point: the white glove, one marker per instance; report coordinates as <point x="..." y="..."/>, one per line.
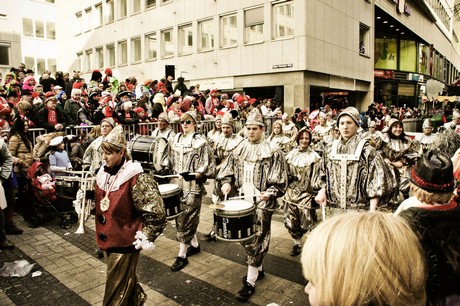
<point x="142" y="242"/>
<point x="77" y="203"/>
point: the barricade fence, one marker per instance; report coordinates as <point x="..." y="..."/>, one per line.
<point x="146" y="128"/>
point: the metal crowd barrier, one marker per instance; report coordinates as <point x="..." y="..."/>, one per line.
<point x="132" y="130"/>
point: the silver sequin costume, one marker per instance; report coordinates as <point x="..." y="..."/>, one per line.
<point x="269" y="174"/>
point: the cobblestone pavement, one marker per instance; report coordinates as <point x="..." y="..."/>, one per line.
<point x="72" y="274"/>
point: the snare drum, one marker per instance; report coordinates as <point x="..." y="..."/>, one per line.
<point x="171" y="194"/>
<point x="235" y="222"/>
<point x="148" y="150"/>
<point x="67" y="186"/>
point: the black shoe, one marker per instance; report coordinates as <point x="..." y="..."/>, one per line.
<point x="6" y="245"/>
<point x="296" y="250"/>
<point x="245" y="293"/>
<point x="179" y="264"/>
<point x="192" y="250"/>
<point x="12" y="229"/>
<point x="211" y="236"/>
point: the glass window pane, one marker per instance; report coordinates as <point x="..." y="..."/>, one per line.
<point x="41" y="65"/>
<point x="151" y="46"/>
<point x="136" y="6"/>
<point x="408" y="56"/>
<point x="52" y="67"/>
<point x="50" y="30"/>
<point x="150" y="3"/>
<point x="168" y="47"/>
<point x="185" y="39"/>
<point x="229" y="30"/>
<point x="283" y="15"/>
<point x="136" y="52"/>
<point x="99" y="58"/>
<point x="39" y="29"/>
<point x="123" y="9"/>
<point x="27" y="27"/>
<point x="4" y="54"/>
<point x="123" y="53"/>
<point x="206" y="35"/>
<point x="386" y="56"/>
<point x="111" y="55"/>
<point x="110" y="11"/>
<point x="98" y="15"/>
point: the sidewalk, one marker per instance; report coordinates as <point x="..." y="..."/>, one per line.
<point x="73" y="275"/>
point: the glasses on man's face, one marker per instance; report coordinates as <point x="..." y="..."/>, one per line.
<point x="186" y="122"/>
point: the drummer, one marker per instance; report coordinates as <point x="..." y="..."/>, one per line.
<point x="190" y="157"/>
<point x="299" y="210"/>
<point x="93" y="154"/>
<point x="163" y="130"/>
<point x="258" y="170"/>
<point x="223" y="146"/>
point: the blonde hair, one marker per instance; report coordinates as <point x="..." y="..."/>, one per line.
<point x="95" y="132"/>
<point x="431" y="197"/>
<point x="111" y="148"/>
<point x="363" y="259"/>
<point x="280" y="123"/>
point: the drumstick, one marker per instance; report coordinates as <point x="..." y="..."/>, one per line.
<point x="166" y="176"/>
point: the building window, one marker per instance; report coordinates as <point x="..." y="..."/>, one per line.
<point x="30" y="62"/>
<point x="167" y="43"/>
<point x="150" y="3"/>
<point x="136" y="50"/>
<point x="98" y="15"/>
<point x="79" y="63"/>
<point x="52" y="64"/>
<point x="41" y="66"/>
<point x="254" y="25"/>
<point x="185" y="39"/>
<point x="364" y="39"/>
<point x="122" y="53"/>
<point x="50" y="30"/>
<point x="136" y="6"/>
<point x="110" y="11"/>
<point x="283" y="19"/>
<point x="122" y="9"/>
<point x="89" y="60"/>
<point x="110" y="55"/>
<point x="151" y="46"/>
<point x="27" y="27"/>
<point x="206" y="35"/>
<point x="165" y="1"/>
<point x="5" y="54"/>
<point x="39" y="29"/>
<point x="88" y="19"/>
<point x="99" y="58"/>
<point x="229" y="30"/>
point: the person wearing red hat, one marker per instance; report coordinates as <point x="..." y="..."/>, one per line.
<point x="51" y="117"/>
<point x="434" y="215"/>
<point x="211" y="103"/>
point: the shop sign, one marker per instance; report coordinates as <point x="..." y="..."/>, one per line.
<point x="402" y="7"/>
<point x="282" y="66"/>
<point x="385" y="74"/>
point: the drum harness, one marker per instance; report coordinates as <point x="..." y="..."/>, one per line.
<point x="344" y="158"/>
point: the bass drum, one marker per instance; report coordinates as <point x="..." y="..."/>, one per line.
<point x="148" y="151"/>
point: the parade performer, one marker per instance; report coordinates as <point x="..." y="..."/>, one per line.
<point x="163" y="130"/>
<point x="223" y="147"/>
<point x="398" y="152"/>
<point x="191" y="157"/>
<point x="129" y="216"/>
<point x="424" y="141"/>
<point x="93" y="154"/>
<point x="353" y="174"/>
<point x="277" y="137"/>
<point x="258" y="170"/>
<point x="299" y="210"/>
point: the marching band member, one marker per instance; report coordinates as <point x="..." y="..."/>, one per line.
<point x="130" y="215"/>
<point x="277" y="137"/>
<point x="353" y="174"/>
<point x="257" y="169"/>
<point x="423" y="141"/>
<point x="223" y="147"/>
<point x="374" y="136"/>
<point x="398" y="152"/>
<point x="299" y="215"/>
<point x="93" y="154"/>
<point x="163" y="130"/>
<point x="216" y="131"/>
<point x="191" y="157"/>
